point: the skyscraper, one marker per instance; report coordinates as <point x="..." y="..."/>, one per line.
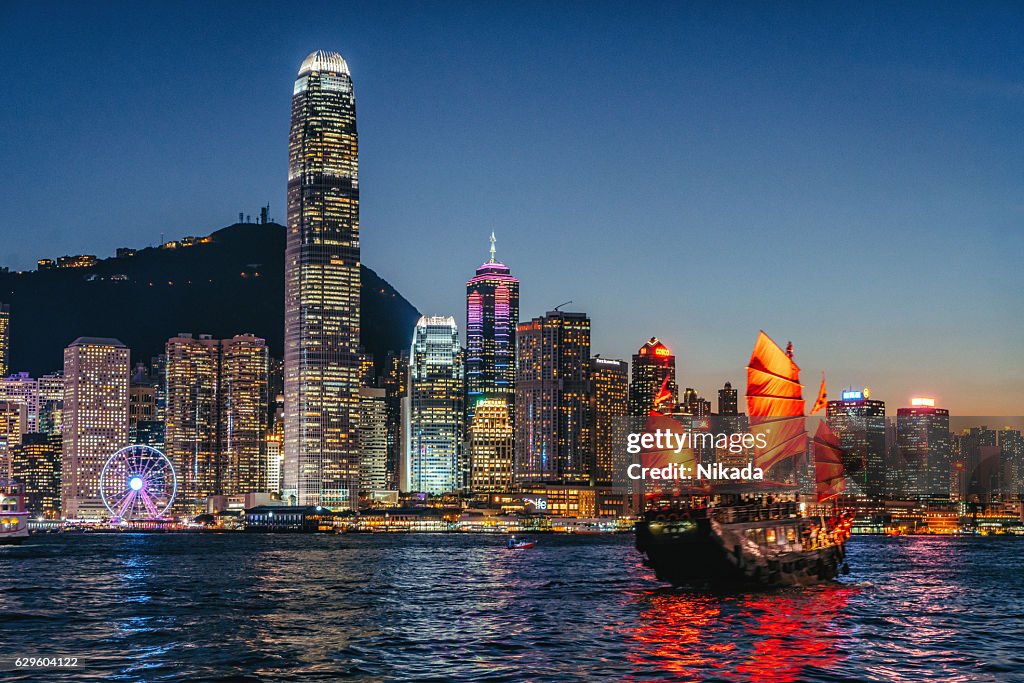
<point x="373" y="439"/>
<point x="922" y="437"/>
<point x="5" y="339"/>
<point x="143" y="426"/>
<point x="243" y="405"/>
<point x="492" y="313"/>
<point x="652" y="364"/>
<point x="607" y="417"/>
<point x="436" y="414"/>
<point x="694" y="404"/>
<point x="859" y="422"/>
<point x="12" y="427"/>
<point x="490" y="447"/>
<point x="984" y="473"/>
<point x="216" y="416"/>
<point x="395" y="378"/>
<point x="36" y="464"/>
<point x="95" y="423"/>
<point x="42" y="398"/>
<point x="551" y="399"/>
<point x="191" y="432"/>
<point x="321" y="358"/>
<point x="728" y="400"/>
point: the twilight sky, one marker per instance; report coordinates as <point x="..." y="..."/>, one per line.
<point x="847" y="177"/>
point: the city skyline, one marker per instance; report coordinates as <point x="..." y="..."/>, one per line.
<point x="897" y="281"/>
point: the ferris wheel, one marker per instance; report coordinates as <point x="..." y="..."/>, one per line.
<point x="138" y="482"/>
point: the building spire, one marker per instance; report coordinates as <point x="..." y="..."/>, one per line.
<point x="493" y="240"/>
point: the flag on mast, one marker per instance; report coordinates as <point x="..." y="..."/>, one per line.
<point x="663" y="399"/>
<point x="822" y="399"/>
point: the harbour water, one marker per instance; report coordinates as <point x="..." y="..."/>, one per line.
<point x="176" y="607"/>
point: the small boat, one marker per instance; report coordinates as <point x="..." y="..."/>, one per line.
<point x="513" y="544"/>
<point x="13" y="516"/>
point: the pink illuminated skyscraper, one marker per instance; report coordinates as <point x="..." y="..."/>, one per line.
<point x="492" y="313"/>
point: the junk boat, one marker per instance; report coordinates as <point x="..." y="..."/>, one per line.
<point x="756" y="533"/>
<point x="13" y="516"/>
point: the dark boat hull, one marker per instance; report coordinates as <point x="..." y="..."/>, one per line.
<point x="695" y="552"/>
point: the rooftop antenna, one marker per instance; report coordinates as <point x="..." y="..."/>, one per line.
<point x="563" y="304"/>
<point x="493" y="240"/>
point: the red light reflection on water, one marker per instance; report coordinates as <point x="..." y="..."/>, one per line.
<point x="760" y="637"/>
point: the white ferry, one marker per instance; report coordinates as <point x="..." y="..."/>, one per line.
<point x="13" y="516"/>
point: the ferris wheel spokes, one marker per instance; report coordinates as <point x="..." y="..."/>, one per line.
<point x="138" y="482"/>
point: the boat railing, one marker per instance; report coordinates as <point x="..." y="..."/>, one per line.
<point x="738" y="514"/>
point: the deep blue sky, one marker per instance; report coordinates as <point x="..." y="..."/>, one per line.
<point x="847" y="177"/>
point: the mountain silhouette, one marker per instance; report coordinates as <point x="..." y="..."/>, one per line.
<point x="229" y="283"/>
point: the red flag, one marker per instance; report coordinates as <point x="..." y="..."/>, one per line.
<point x="822" y="399"/>
<point x="663" y="396"/>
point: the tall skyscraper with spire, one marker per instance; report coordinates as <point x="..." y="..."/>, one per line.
<point x="321" y="359"/>
<point x="492" y="313"/>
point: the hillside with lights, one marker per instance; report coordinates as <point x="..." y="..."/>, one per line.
<point x="227" y="283"/>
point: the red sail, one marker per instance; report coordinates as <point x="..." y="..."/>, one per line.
<point x="775" y="404"/>
<point x="685" y="459"/>
<point x="828" y="463"/>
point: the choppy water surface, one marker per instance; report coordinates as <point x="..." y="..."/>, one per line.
<point x="461" y="608"/>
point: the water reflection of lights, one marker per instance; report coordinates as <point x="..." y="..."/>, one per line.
<point x="759" y="637"/>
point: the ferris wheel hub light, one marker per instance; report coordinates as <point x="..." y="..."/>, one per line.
<point x="135" y="483"/>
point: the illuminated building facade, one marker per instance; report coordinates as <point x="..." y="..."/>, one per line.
<point x="43" y="398"/>
<point x="551" y="399"/>
<point x="244" y="406"/>
<point x="695" y="405"/>
<point x="436" y="410"/>
<point x="216" y="416"/>
<point x="36" y="464"/>
<point x="191" y="432"/>
<point x="373" y="439"/>
<point x="5" y="339"/>
<point x="321" y="361"/>
<point x="651" y="365"/>
<point x="275" y="460"/>
<point x="396" y="385"/>
<point x="1011" y="447"/>
<point x="143" y="426"/>
<point x="986" y="474"/>
<point x="490" y="446"/>
<point x="607" y="420"/>
<point x="728" y="400"/>
<point x="859" y="423"/>
<point x="95" y="422"/>
<point x="12" y="426"/>
<point x="492" y="313"/>
<point x="923" y="441"/>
